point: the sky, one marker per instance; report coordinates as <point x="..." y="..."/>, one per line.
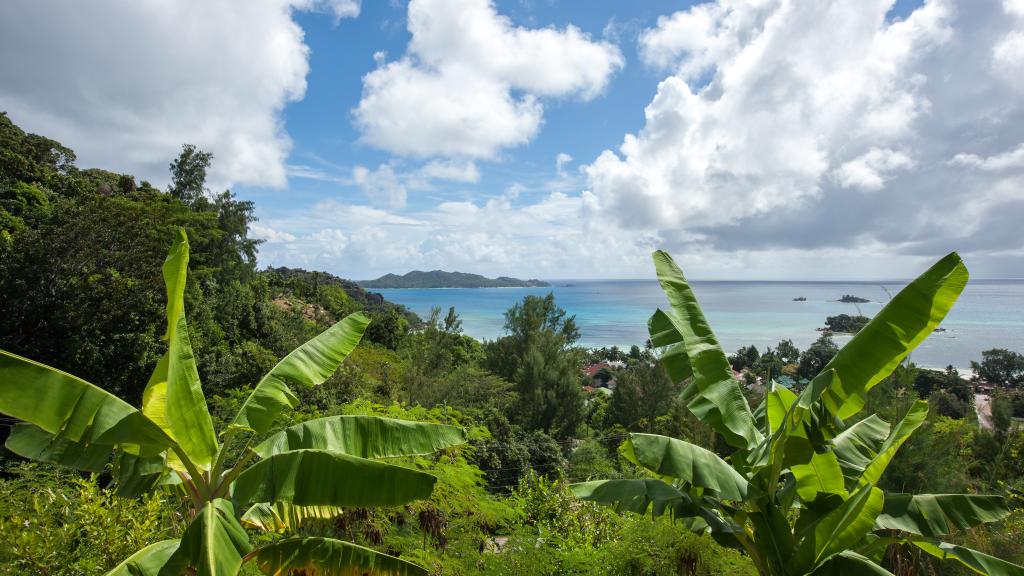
<point x="753" y="139"/>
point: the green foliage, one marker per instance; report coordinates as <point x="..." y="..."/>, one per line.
<point x="590" y="460"/>
<point x="441" y="279"/>
<point x="388" y="329"/>
<point x="74" y="423"/>
<point x="512" y="452"/>
<point x="851" y="299"/>
<point x="817" y="355"/>
<point x="31" y="158"/>
<point x="933" y="459"/>
<point x="947" y="404"/>
<point x="800" y="493"/>
<point x="538" y="358"/>
<point x="75" y="306"/>
<point x="188" y="175"/>
<point x="1000" y="367"/>
<point x="57" y="523"/>
<point x="336" y="296"/>
<point x="643" y="393"/>
<point x="1002" y="414"/>
<point x="787" y="352"/>
<point x="79" y="269"/>
<point x="846" y="323"/>
<point x="443" y="368"/>
<point x="563" y="536"/>
<point x="928" y="382"/>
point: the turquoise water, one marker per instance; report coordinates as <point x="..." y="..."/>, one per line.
<point x="989" y="314"/>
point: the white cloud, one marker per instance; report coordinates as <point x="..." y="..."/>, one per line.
<point x="126" y="84"/>
<point x="495" y="236"/>
<point x="561" y="160"/>
<point x="344" y="9"/>
<point x="382" y="186"/>
<point x="1008" y="53"/>
<point x="751" y="161"/>
<point x="450" y="170"/>
<point x="1008" y="58"/>
<point x="1011" y="159"/>
<point x="869" y="171"/>
<point x="332" y="242"/>
<point x="269" y="234"/>
<point x="470" y="82"/>
<point x="797" y="88"/>
<point x="694" y="41"/>
<point x="774" y="112"/>
<point x="389" y="184"/>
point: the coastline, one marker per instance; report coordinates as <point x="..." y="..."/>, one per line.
<point x="756" y="313"/>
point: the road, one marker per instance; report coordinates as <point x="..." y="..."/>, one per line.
<point x="983" y="406"/>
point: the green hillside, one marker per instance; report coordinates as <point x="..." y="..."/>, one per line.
<point x="442" y="279"/>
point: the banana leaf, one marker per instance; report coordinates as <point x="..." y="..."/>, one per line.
<point x="213" y="544"/>
<point x="632" y="495"/>
<point x="174" y="398"/>
<point x="137" y="475"/>
<point x="695" y="465"/>
<point x="838" y="530"/>
<point x="774" y="535"/>
<point x="286" y="517"/>
<point x="364" y="436"/>
<point x="777" y="402"/>
<point x="308" y="365"/>
<point x="858" y="445"/>
<point x="935" y="515"/>
<point x="71" y="410"/>
<point x="321" y="478"/>
<point x="32" y="442"/>
<point x="714" y="396"/>
<point x="911" y="421"/>
<point x="885" y="341"/>
<point x="673" y="356"/>
<point x="146" y="562"/>
<point x="327" y="557"/>
<point x="821" y="474"/>
<point x="848" y="562"/>
<point x="977" y="561"/>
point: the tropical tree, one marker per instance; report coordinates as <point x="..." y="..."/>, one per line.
<point x="538" y="357"/>
<point x="1001" y="367"/>
<point x="308" y="470"/>
<point x="799" y="493"/>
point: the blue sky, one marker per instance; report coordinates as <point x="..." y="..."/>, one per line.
<point x="342" y="53"/>
<point x="774" y="139"/>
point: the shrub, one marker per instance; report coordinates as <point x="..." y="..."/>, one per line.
<point x="55" y="522"/>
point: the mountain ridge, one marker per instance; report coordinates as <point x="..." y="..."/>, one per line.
<point x="442" y="279"/>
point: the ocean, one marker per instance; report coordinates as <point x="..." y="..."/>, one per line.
<point x="989" y="313"/>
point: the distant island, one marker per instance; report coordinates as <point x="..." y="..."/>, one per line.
<point x="442" y="279"/>
<point x="851" y="299"/>
<point x="800" y="299"/>
<point x="845" y="324"/>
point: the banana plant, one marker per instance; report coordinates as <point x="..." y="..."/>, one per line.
<point x="799" y="491"/>
<point x="311" y="469"/>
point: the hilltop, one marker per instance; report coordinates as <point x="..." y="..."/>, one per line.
<point x="442" y="279"/>
<point x="80" y="257"/>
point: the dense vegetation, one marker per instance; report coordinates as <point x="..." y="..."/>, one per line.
<point x="80" y="270"/>
<point x="851" y="299"/>
<point x="441" y="279"/>
<point x="799" y="493"/>
<point x="846" y="323"/>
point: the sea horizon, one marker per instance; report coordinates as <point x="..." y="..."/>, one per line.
<point x="741" y="312"/>
<point x="554" y="281"/>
